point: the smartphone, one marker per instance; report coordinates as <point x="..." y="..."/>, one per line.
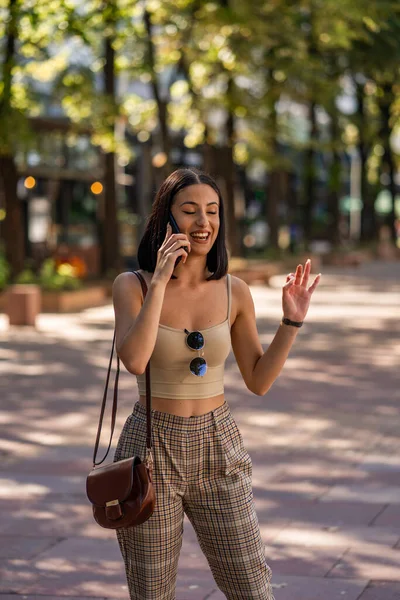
<point x="175" y="229"/>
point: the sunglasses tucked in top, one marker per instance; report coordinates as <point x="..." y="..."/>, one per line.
<point x="195" y="341"/>
<point x="175" y="373"/>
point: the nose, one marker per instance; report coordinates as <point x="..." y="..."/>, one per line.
<point x="202" y="219"/>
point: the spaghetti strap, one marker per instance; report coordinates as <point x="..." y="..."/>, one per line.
<point x="228" y="277"/>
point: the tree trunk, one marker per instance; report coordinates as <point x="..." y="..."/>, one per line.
<point x="368" y="217"/>
<point x="162" y="104"/>
<point x="208" y="153"/>
<point x="110" y="262"/>
<point x="388" y="160"/>
<point x="230" y="179"/>
<point x="334" y="182"/>
<point x="309" y="184"/>
<point x="274" y="183"/>
<point x="310" y="170"/>
<point x="14" y="237"/>
<point x="273" y="197"/>
<point x="219" y="163"/>
<point x="144" y="188"/>
<point x="13" y="229"/>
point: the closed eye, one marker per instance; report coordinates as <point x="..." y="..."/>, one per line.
<point x="192" y="213"/>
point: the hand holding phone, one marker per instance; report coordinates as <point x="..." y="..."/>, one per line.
<point x="175" y="229"/>
<point x="171" y="252"/>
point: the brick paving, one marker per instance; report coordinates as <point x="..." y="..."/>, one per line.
<point x="324" y="442"/>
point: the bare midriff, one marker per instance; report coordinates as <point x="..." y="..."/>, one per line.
<point x="181" y="407"/>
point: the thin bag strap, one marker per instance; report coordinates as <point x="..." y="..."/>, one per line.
<point x="115" y="399"/>
<point x="148" y="389"/>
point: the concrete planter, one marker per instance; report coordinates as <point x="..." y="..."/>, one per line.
<point x="254" y="271"/>
<point x="290" y="263"/>
<point x="260" y="271"/>
<point x="352" y="258"/>
<point x="65" y="301"/>
<point x="73" y="300"/>
<point x="22" y="304"/>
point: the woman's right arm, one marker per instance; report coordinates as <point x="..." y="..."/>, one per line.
<point x="136" y="326"/>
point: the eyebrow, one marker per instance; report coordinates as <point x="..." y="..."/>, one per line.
<point x="195" y="203"/>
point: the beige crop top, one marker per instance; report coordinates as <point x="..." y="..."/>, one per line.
<point x="169" y="364"/>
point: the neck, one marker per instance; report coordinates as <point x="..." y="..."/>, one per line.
<point x="193" y="272"/>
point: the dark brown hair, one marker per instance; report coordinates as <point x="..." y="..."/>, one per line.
<point x="156" y="227"/>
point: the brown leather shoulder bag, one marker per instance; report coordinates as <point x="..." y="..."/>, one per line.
<point x="122" y="493"/>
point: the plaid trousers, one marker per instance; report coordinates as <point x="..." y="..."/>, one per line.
<point x="201" y="468"/>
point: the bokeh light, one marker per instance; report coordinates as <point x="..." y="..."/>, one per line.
<point x="30" y="182"/>
<point x="96" y="188"/>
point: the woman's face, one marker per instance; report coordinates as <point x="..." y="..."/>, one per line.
<point x="196" y="210"/>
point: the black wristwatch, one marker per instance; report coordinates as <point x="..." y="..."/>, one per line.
<point x="286" y="321"/>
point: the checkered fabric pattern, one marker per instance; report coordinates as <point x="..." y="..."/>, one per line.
<point x="201" y="468"/>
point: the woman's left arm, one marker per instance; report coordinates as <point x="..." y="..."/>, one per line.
<point x="259" y="369"/>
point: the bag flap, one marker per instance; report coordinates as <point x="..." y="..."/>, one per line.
<point x="111" y="482"/>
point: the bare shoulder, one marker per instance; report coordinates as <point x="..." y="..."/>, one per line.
<point x="126" y="285"/>
<point x="239" y="286"/>
<point x="241" y="296"/>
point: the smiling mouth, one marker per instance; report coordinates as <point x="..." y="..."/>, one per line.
<point x="202" y="238"/>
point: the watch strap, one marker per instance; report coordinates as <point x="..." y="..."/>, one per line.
<point x="286" y="321"/>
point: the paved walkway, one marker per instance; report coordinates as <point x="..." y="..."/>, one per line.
<point x="324" y="442"/>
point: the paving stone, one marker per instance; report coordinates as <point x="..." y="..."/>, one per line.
<point x="15" y="575"/>
<point x="44" y="466"/>
<point x="288" y="490"/>
<point x="194" y="592"/>
<point x="343" y="537"/>
<point x="315" y="588"/>
<point x="23" y="547"/>
<point x="61" y="577"/>
<point x="197" y="587"/>
<point x="370" y="562"/>
<point x="327" y="513"/>
<point x="381" y="590"/>
<point x="29" y="486"/>
<point x="215" y="595"/>
<point x="301" y="560"/>
<point x="58" y="519"/>
<point x="380" y="462"/>
<point x="389" y="517"/>
<point x="322" y="474"/>
<point x="51" y="597"/>
<point x="373" y="492"/>
<point x="75" y="549"/>
<point x="387" y="478"/>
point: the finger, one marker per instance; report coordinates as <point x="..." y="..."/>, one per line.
<point x="298" y="274"/>
<point x="174" y="243"/>
<point x="314" y="284"/>
<point x="289" y="283"/>
<point x="306" y="273"/>
<point x="180" y="252"/>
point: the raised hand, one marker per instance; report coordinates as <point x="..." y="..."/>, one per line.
<point x="174" y="245"/>
<point x="295" y="294"/>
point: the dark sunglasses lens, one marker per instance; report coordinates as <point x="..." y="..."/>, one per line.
<point x="198" y="366"/>
<point x="195" y="340"/>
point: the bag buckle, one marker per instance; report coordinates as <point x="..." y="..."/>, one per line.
<point x="148" y="461"/>
<point x="112" y="503"/>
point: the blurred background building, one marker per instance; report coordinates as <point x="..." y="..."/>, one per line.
<point x="294" y="110"/>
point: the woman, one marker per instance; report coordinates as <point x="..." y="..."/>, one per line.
<point x="192" y="315"/>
